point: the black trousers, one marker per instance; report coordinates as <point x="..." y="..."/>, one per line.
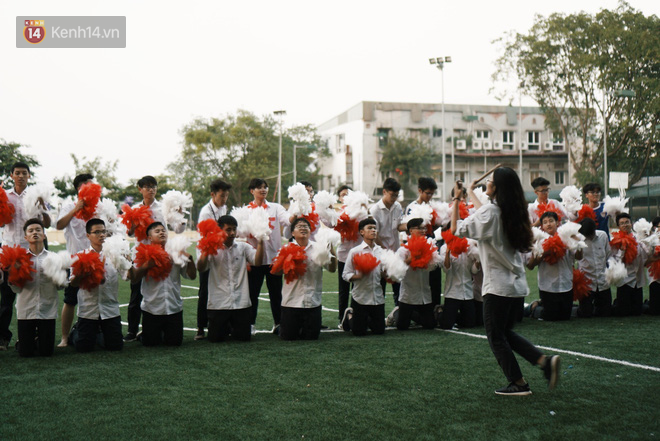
<point x="629" y="301"/>
<point x="70" y="293"/>
<point x="274" y="283"/>
<point x="367" y="316"/>
<point x="88" y="332"/>
<point x="7" y="297"/>
<point x="500" y="314"/>
<point x="41" y="330"/>
<point x="157" y="329"/>
<point x="450" y="313"/>
<point x="344" y="289"/>
<point x="654" y="298"/>
<point x="479" y="313"/>
<point x="421" y="314"/>
<point x="300" y="323"/>
<point x="596" y="304"/>
<point x="203" y="300"/>
<point x="134" y="310"/>
<point x="396" y="288"/>
<point x="435" y="282"/>
<point x="223" y="322"/>
<point x="556" y="305"/>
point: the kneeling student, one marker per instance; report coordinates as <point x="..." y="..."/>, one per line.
<point x="229" y="306"/>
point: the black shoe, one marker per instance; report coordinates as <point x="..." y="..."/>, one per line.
<point x="551" y="370"/>
<point x="345" y="321"/>
<point x="514" y="389"/>
<point x="129" y="337"/>
<point x="276" y="330"/>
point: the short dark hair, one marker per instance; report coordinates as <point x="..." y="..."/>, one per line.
<point x="588" y="227"/>
<point x="413" y="223"/>
<point x="90" y="223"/>
<point x="463" y="190"/>
<point x="591" y="186"/>
<point x="656" y="221"/>
<point x="391" y="184"/>
<point x="306" y="183"/>
<point x="297" y="220"/>
<point x="342" y="188"/>
<point x="426" y="183"/>
<point x="622" y="216"/>
<point x="147" y="181"/>
<point x="227" y="220"/>
<point x="19" y="164"/>
<point x="154" y="225"/>
<point x="32" y="221"/>
<point x="551" y="214"/>
<point x="368" y="221"/>
<point x="81" y="179"/>
<point x="256" y="183"/>
<point x="539" y="182"/>
<point x="219" y="185"/>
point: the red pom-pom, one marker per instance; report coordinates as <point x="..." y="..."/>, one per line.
<point x="654" y="270"/>
<point x="421" y="251"/>
<point x="160" y="257"/>
<point x="550" y="206"/>
<point x="555" y="249"/>
<point x="7" y="209"/>
<point x="290" y="260"/>
<point x="365" y="262"/>
<point x="90" y="193"/>
<point x="626" y="242"/>
<point x="347" y="227"/>
<point x="17" y="261"/>
<point x="90" y="267"/>
<point x="313" y="218"/>
<point x="212" y="237"/>
<point x="463" y="211"/>
<point x="455" y="245"/>
<point x="586" y="212"/>
<point x="581" y="285"/>
<point x="139" y="218"/>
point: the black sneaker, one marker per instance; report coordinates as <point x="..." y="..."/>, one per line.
<point x="514" y="389"/>
<point x="551" y="370"/>
<point x="129" y="337"/>
<point x="345" y="321"/>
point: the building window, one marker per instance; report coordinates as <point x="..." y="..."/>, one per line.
<point x="560" y="177"/>
<point x="534" y="174"/>
<point x="459" y="175"/>
<point x="533" y="140"/>
<point x="557" y="142"/>
<point x="437" y="132"/>
<point x="507" y="140"/>
<point x="382" y="137"/>
<point x="340" y="143"/>
<point x="482" y="134"/>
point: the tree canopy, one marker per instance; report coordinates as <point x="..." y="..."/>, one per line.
<point x="406" y="158"/>
<point x="10" y="153"/>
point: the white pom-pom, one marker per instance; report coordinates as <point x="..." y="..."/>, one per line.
<point x="569" y="233"/>
<point x="320" y="254"/>
<point x="300" y="205"/>
<point x="175" y="247"/>
<point x="571" y="197"/>
<point x="356" y="205"/>
<point x="419" y="211"/>
<point x="473" y="250"/>
<point x="242" y="214"/>
<point x="443" y="212"/>
<point x="174" y="208"/>
<point x="55" y="266"/>
<point x="642" y="229"/>
<point x="393" y="265"/>
<point x="614" y="206"/>
<point x="616" y="272"/>
<point x="258" y="224"/>
<point x="325" y="202"/>
<point x="482" y="196"/>
<point x="32" y="207"/>
<point x="328" y="237"/>
<point x="106" y="210"/>
<point x="539" y="237"/>
<point x="117" y="251"/>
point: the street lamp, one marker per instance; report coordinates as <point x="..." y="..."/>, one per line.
<point x="280" y="114"/>
<point x="439" y="62"/>
<point x="619" y="93"/>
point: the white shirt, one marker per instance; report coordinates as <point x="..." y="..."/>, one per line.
<point x="305" y="291"/>
<point x="75" y="233"/>
<point x="388" y="220"/>
<point x="228" y="278"/>
<point x="503" y="266"/>
<point x="278" y="218"/>
<point x="415" y="288"/>
<point x="163" y="297"/>
<point x="38" y="299"/>
<point x="101" y="302"/>
<point x="533" y="217"/>
<point x="158" y="216"/>
<point x="637" y="273"/>
<point x="458" y="284"/>
<point x="594" y="260"/>
<point x="557" y="277"/>
<point x="211" y="211"/>
<point x="12" y="233"/>
<point x="367" y="290"/>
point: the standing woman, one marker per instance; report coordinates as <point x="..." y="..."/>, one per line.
<point x="504" y="232"/>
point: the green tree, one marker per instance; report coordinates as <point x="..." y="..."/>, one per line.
<point x="405" y="159"/>
<point x="10" y="153"/>
<point x="104" y="173"/>
<point x="565" y="62"/>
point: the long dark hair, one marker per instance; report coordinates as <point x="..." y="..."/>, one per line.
<point x="511" y="200"/>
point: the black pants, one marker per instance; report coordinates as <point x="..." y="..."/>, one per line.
<point x="274" y="283"/>
<point x="70" y="293"/>
<point x="654" y="298"/>
<point x="203" y="300"/>
<point x="41" y="330"/>
<point x="300" y="323"/>
<point x="7" y="297"/>
<point x="596" y="304"/>
<point x="479" y="313"/>
<point x="421" y="314"/>
<point x="435" y="282"/>
<point x="556" y="305"/>
<point x="157" y="329"/>
<point x="134" y="310"/>
<point x="396" y="288"/>
<point x="450" y="313"/>
<point x="500" y="314"/>
<point x="223" y="322"/>
<point x="629" y="301"/>
<point x="344" y="289"/>
<point x="367" y="316"/>
<point x="88" y="332"/>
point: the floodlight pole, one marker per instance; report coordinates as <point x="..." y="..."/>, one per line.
<point x="280" y="114"/>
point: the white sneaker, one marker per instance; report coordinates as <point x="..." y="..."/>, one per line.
<point x="253" y="330"/>
<point x="392" y="318"/>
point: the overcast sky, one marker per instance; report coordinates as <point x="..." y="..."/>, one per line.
<point x="191" y="59"/>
